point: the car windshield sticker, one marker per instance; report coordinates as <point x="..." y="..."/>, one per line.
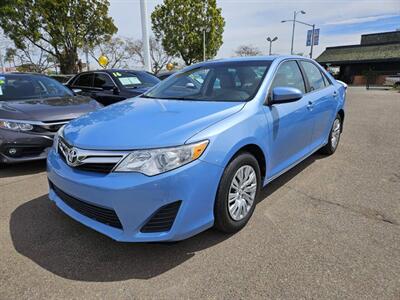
<point x="129" y="80"/>
<point x="2" y="82"/>
<point x="117" y="74"/>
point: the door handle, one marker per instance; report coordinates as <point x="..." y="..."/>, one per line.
<point x="310" y="105"/>
<point x="335" y="94"/>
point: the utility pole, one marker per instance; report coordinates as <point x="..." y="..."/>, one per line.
<point x="145" y="36"/>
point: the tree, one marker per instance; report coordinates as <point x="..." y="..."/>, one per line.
<point x="180" y="24"/>
<point x="57" y="27"/>
<point x="116" y="49"/>
<point x="29" y="59"/>
<point x="247" y="50"/>
<point x="159" y="58"/>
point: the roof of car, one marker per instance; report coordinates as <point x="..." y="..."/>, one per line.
<point x="22" y="74"/>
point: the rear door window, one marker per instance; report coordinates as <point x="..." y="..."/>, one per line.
<point x="102" y="80"/>
<point x="84" y="80"/>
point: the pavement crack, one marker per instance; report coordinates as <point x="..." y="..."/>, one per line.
<point x="364" y="211"/>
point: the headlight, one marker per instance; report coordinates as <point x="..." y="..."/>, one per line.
<point x="156" y="161"/>
<point x="11" y="125"/>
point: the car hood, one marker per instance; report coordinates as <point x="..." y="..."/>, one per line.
<point x="49" y="109"/>
<point x="140" y="123"/>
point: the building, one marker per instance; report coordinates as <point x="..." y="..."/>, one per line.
<point x="377" y="56"/>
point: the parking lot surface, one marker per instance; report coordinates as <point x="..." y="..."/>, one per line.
<point x="329" y="228"/>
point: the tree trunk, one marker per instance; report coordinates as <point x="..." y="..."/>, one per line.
<point x="68" y="62"/>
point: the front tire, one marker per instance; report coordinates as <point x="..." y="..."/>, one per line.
<point x="334" y="137"/>
<point x="237" y="193"/>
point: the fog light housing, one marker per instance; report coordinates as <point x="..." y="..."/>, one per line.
<point x="12" y="151"/>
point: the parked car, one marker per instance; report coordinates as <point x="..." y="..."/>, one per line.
<point x="111" y="86"/>
<point x="32" y="109"/>
<point x="392" y="80"/>
<point x="171" y="163"/>
<point x="165" y="75"/>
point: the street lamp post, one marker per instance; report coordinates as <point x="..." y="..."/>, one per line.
<point x="294" y="26"/>
<point x="270" y="43"/>
<point x="145" y="36"/>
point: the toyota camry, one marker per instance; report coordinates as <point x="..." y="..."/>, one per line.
<point x="194" y="151"/>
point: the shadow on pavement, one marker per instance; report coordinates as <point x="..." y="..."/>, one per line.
<point x="68" y="249"/>
<point x="287" y="176"/>
<point x="21" y="169"/>
<point x="41" y="232"/>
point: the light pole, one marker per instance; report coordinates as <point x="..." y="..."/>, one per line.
<point x="270" y="43"/>
<point x="145" y="36"/>
<point x="3" y="69"/>
<point x="295" y="13"/>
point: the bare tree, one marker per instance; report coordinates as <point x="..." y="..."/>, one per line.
<point x="159" y="58"/>
<point x="247" y="50"/>
<point x="30" y="58"/>
<point x="116" y="49"/>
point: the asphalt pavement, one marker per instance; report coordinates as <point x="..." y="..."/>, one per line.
<point x="327" y="229"/>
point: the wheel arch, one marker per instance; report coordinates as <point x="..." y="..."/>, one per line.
<point x="341" y="114"/>
<point x="254" y="150"/>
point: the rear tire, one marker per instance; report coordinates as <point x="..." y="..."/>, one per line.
<point x="237" y="193"/>
<point x="334" y="137"/>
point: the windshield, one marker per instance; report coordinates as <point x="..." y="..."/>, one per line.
<point x="215" y="81"/>
<point x="25" y="87"/>
<point x="135" y="79"/>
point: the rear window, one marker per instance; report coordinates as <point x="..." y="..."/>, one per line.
<point x="25" y="87"/>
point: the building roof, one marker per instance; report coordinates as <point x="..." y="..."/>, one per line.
<point x="375" y="47"/>
<point x="381" y="38"/>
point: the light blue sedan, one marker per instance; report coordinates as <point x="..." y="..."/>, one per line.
<point x="194" y="151"/>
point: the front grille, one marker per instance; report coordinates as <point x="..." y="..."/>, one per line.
<point x="163" y="219"/>
<point x="98" y="167"/>
<point x="100" y="214"/>
<point x="50" y="126"/>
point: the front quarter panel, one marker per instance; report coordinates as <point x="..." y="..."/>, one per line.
<point x="230" y="135"/>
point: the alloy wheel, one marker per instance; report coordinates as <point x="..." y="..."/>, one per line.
<point x="335" y="135"/>
<point x="242" y="192"/>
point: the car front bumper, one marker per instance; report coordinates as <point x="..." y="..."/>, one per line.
<point x="16" y="146"/>
<point x="135" y="198"/>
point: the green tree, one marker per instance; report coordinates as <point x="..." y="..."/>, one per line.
<point x="57" y="27"/>
<point x="180" y="24"/>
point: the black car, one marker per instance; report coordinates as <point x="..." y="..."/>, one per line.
<point x="111" y="86"/>
<point x="32" y="109"/>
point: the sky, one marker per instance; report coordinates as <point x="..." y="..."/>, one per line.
<point x="250" y="22"/>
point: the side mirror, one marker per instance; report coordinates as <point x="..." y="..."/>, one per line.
<point x="190" y="85"/>
<point x="107" y="87"/>
<point x="285" y="94"/>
